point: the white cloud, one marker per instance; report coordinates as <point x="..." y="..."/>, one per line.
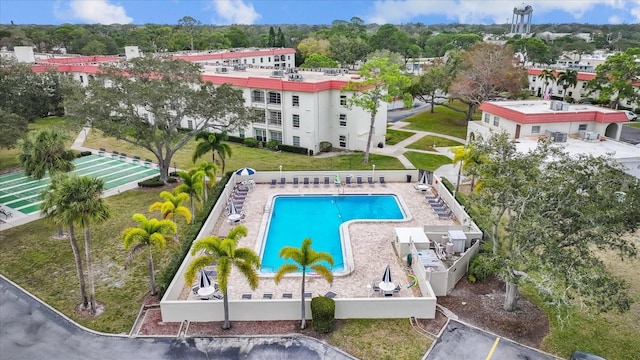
<point x="615" y="19"/>
<point x="91" y="11"/>
<point x="234" y="12"/>
<point x="485" y="11"/>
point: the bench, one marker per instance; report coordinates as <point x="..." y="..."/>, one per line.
<point x="147" y="162"/>
<point x="123" y="156"/>
<point x="136" y="159"/>
<point x="101" y="152"/>
<point x="115" y="154"/>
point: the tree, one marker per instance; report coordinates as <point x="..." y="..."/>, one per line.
<point x="391" y="38"/>
<point x="190" y="24"/>
<point x="44" y="151"/>
<point x="486" y="71"/>
<point x="433" y="83"/>
<point x="13" y="128"/>
<point x="280" y="40"/>
<point x="172" y="206"/>
<point x="150" y="233"/>
<point x="149" y="99"/>
<point x="566" y="79"/>
<point x="55" y="207"/>
<point x="547" y="76"/>
<point x="227" y="255"/>
<point x="318" y="61"/>
<point x="192" y="185"/>
<point x="381" y="82"/>
<point x="312" y="45"/>
<point x="552" y="215"/>
<point x="348" y="49"/>
<point x="271" y="42"/>
<point x="237" y="37"/>
<point x="304" y="258"/>
<point x="209" y="170"/>
<point x="615" y="77"/>
<point x="210" y="142"/>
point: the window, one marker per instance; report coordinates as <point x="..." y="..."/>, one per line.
<point x="259" y="116"/>
<point x="245" y="61"/>
<point x="269" y="59"/>
<point x="274" y="98"/>
<point x="275" y="135"/>
<point x="260" y="134"/>
<point x="296" y="141"/>
<point x="343" y="119"/>
<point x="295" y="100"/>
<point x="296" y="121"/>
<point x="342" y="141"/>
<point x="81" y="79"/>
<point x="533" y="79"/>
<point x="241" y="133"/>
<point x="559" y="92"/>
<point x="190" y="124"/>
<point x="288" y="57"/>
<point x="486" y="118"/>
<point x="582" y="127"/>
<point x="343" y="100"/>
<point x="257" y="96"/>
<point x="253" y="61"/>
<point x="261" y="60"/>
<point x="535" y="129"/>
<point x="275" y="118"/>
<point x="496" y="121"/>
<point x="570" y="93"/>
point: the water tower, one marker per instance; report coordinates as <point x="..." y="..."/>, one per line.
<point x="521" y="19"/>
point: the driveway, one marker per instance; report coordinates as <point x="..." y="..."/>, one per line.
<point x="32" y="330"/>
<point x="460" y="341"/>
<point x="630" y="134"/>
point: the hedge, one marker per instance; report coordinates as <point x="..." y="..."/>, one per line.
<point x="293" y="149"/>
<point x="323" y="313"/>
<point x="169" y="272"/>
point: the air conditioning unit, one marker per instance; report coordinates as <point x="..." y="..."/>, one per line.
<point x="277" y="73"/>
<point x="590" y="136"/>
<point x="222" y="70"/>
<point x="331" y="72"/>
<point x="239" y="68"/>
<point x="295" y="77"/>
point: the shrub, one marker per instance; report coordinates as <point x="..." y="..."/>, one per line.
<point x="151" y="183"/>
<point x="251" y="142"/>
<point x="293" y="149"/>
<point x="482" y="267"/>
<point x="323" y="313"/>
<point x="85" y="153"/>
<point x="272" y="145"/>
<point x="235" y="139"/>
<point x="325" y="146"/>
<point x="169" y="272"/>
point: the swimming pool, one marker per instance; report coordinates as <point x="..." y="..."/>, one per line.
<point x="294" y="218"/>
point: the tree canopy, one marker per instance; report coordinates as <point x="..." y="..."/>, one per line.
<point x="614" y="78"/>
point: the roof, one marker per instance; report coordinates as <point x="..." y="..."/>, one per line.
<point x="582" y="76"/>
<point x="540" y="112"/>
<point x="234" y="54"/>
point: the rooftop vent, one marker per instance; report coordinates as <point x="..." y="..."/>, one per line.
<point x="330" y="72"/>
<point x="295" y="77"/>
<point x="239" y="68"/>
<point x="559" y="105"/>
<point x="556" y="136"/>
<point x="222" y="70"/>
<point x="277" y="73"/>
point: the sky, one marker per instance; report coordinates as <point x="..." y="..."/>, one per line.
<point x="273" y="12"/>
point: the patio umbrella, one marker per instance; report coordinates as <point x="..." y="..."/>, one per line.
<point x="204" y="279"/>
<point x="232" y="208"/>
<point x="245" y="171"/>
<point x="386" y="277"/>
<point x="423" y="178"/>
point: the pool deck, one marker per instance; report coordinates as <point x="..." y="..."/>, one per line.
<point x="371" y="243"/>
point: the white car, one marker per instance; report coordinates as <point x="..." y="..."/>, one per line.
<point x="630" y="115"/>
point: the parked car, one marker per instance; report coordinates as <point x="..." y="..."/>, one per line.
<point x="630" y="115"/>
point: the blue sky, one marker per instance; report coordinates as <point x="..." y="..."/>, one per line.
<point x="223" y="12"/>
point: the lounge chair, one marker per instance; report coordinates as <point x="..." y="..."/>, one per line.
<point x="447" y="215"/>
<point x="273" y="182"/>
<point x="375" y="286"/>
<point x="435" y="200"/>
<point x="136" y="159"/>
<point x="246" y="296"/>
<point x="347" y="180"/>
<point x="397" y="289"/>
<point x="305" y="181"/>
<point x="115" y="154"/>
<point x="331" y="294"/>
<point x="382" y="182"/>
<point x="102" y="151"/>
<point x="438" y="206"/>
<point x="432" y="197"/>
<point x="267" y="295"/>
<point x="308" y="294"/>
<point x="316" y="181"/>
<point x="326" y="181"/>
<point x="370" y="180"/>
<point x="194" y="289"/>
<point x="359" y="180"/>
<point x="123" y="157"/>
<point x="282" y="181"/>
<point x="287" y="295"/>
<point x="147" y="162"/>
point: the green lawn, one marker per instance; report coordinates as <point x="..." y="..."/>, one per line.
<point x="380" y="339"/>
<point x="395" y="136"/>
<point x="442" y="121"/>
<point x="431" y="142"/>
<point x="8" y="157"/>
<point x="45" y="267"/>
<point x="259" y="159"/>
<point x="634" y="124"/>
<point x="426" y="161"/>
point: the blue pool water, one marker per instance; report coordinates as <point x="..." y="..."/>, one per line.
<point x="294" y="218"/>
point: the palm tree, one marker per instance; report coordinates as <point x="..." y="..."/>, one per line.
<point x="214" y="143"/>
<point x="45" y="151"/>
<point x="192" y="185"/>
<point x="55" y="207"/>
<point x="149" y="233"/>
<point x="83" y="203"/>
<point x="569" y="78"/>
<point x="548" y="76"/>
<point x="227" y="255"/>
<point x="172" y="206"/>
<point x="209" y="169"/>
<point x="304" y="258"/>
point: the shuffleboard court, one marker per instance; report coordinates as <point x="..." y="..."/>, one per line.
<point x="23" y="194"/>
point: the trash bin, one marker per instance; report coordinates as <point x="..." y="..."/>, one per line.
<point x="408" y="178"/>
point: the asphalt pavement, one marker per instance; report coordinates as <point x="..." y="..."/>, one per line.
<point x="630" y="134"/>
<point x="29" y="329"/>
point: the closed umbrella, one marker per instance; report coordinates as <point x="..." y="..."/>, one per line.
<point x="423" y="178"/>
<point x="386" y="277"/>
<point x="205" y="282"/>
<point x="232" y="208"/>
